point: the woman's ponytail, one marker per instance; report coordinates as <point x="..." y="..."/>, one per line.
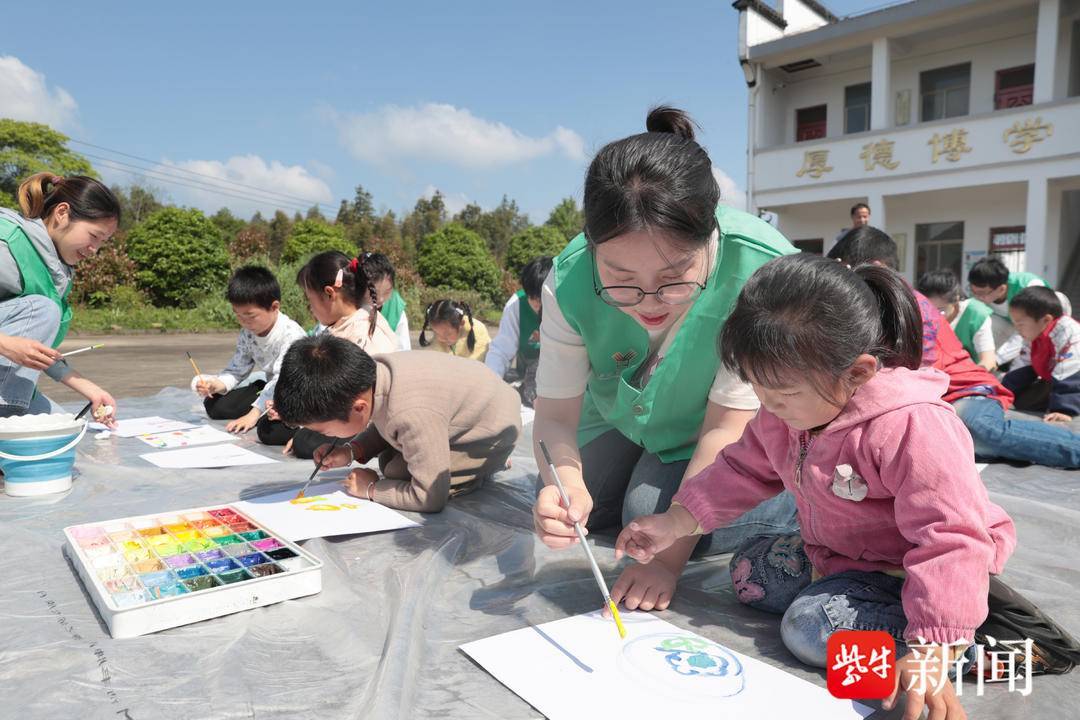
<point x="86" y="198"/>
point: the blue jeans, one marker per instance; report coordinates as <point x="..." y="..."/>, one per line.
<point x="1032" y="441"/>
<point x="626" y="482"/>
<point x="773" y="574"/>
<point x="38" y="318"/>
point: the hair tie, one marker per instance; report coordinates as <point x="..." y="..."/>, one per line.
<point x="56" y="179"/>
<point x="339" y="277"/>
<point x="354" y="265"/>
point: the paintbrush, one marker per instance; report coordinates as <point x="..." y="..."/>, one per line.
<point x="82" y="350"/>
<point x="84" y="410"/>
<point x="584" y="543"/>
<point x="193" y="365"/>
<point x="333" y="446"/>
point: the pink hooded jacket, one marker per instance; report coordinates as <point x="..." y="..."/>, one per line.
<point x="890" y="484"/>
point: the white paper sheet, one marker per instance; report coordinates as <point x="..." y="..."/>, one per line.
<point x="981" y="466"/>
<point x="578" y="667"/>
<point x="326" y="511"/>
<point x="213" y="456"/>
<point x="130" y="427"/>
<point x="202" y="435"/>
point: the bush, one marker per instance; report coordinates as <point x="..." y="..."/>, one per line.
<point x="457" y="258"/>
<point x="309" y="237"/>
<point x="293" y="301"/>
<point x="97" y="278"/>
<point x="532" y="243"/>
<point x="180" y="257"/>
<point x="249" y="243"/>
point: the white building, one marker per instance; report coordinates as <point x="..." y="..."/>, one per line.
<point x="956" y="121"/>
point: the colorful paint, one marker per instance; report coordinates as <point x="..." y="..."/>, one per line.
<point x="145" y="560"/>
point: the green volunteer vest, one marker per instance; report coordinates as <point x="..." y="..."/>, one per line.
<point x="392" y="309"/>
<point x="34" y="273"/>
<point x="528" y="324"/>
<point x="969" y="322"/>
<point x="665" y="417"/>
<point x="1019" y="280"/>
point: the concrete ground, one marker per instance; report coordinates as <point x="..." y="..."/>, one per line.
<point x="139" y="365"/>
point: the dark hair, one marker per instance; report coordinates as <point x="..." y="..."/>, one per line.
<point x="988" y="272"/>
<point x="857" y="207"/>
<point x="87" y="198"/>
<point x="940" y="283"/>
<point x="320" y="378"/>
<point x="323" y="270"/>
<point x="378" y="266"/>
<point x="1037" y="302"/>
<point x="660" y="180"/>
<point x="253" y="285"/>
<point x="533" y="275"/>
<point x="808" y="316"/>
<point x="448" y="311"/>
<point x="864" y="245"/>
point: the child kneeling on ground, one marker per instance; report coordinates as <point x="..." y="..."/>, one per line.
<point x="440" y="425"/>
<point x="897" y="531"/>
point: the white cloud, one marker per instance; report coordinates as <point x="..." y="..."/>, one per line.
<point x="444" y="133"/>
<point x="454" y="202"/>
<point x="24" y="95"/>
<point x="730" y="193"/>
<point x="252" y="184"/>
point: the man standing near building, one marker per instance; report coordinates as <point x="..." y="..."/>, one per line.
<point x="860" y="215"/>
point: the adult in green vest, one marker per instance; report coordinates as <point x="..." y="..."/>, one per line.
<point x="382" y="276"/>
<point x="969" y="318"/>
<point x="631" y="395"/>
<point x="518" y="339"/>
<point x="63" y="221"/>
<point x="993" y="283"/>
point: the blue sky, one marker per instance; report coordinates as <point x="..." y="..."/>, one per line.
<point x="476" y="99"/>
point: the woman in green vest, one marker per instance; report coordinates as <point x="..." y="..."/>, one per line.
<point x="63" y="221"/>
<point x="518" y="339"/>
<point x="631" y="395"/>
<point x="969" y="318"/>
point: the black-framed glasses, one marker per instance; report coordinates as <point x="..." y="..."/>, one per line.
<point x="679" y="293"/>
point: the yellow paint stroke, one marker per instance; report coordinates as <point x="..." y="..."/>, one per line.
<point x="304" y="500"/>
<point x="322" y="507"/>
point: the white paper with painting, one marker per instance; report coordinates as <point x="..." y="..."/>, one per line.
<point x="578" y="667"/>
<point x="325" y="511"/>
<point x="209" y="456"/>
<point x="202" y="435"/>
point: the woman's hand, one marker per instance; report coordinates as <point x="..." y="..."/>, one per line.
<point x="102" y="407"/>
<point x="921" y="670"/>
<point x="342" y="456"/>
<point x="27" y="352"/>
<point x="208" y="385"/>
<point x="646" y="536"/>
<point x="555" y="523"/>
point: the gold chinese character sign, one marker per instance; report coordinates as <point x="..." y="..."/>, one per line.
<point x="815" y="164"/>
<point x="1026" y="134"/>
<point x="951" y="145"/>
<point x="878" y="153"/>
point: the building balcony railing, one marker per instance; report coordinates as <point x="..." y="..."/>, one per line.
<point x="1014" y="135"/>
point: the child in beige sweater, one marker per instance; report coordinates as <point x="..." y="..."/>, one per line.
<point x="439" y="424"/>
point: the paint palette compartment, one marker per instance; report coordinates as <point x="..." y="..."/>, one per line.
<point x="154" y="572"/>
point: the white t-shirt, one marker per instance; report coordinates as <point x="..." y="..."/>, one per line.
<point x="564" y="367"/>
<point x="984" y="336"/>
<point x="503" y="349"/>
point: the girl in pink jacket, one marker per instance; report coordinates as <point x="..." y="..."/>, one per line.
<point x="897" y="531"/>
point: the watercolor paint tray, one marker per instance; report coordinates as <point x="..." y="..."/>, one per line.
<point x="153" y="572"/>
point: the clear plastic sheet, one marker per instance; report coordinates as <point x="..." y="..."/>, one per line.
<point x="381" y="639"/>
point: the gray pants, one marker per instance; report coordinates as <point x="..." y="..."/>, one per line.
<point x="38" y="318"/>
<point x="626" y="482"/>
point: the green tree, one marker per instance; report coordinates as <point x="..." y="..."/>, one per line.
<point x="532" y="243"/>
<point x="496" y="226"/>
<point x="27" y="148"/>
<point x="567" y="218"/>
<point x="456" y="257"/>
<point x="427" y="216"/>
<point x="179" y="255"/>
<point x="314" y="213"/>
<point x="313" y="236"/>
<point x="279" y="231"/>
<point x="251" y="242"/>
<point x="137" y="203"/>
<point x="228" y="223"/>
